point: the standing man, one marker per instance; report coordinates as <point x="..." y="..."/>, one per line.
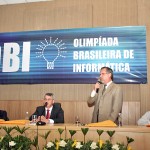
<point x="107" y="97"/>
<point x="50" y="112"/>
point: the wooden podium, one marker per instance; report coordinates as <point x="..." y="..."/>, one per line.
<point x="140" y="134"/>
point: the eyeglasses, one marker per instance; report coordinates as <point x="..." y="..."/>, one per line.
<point x="48" y="99"/>
<point x="104" y="73"/>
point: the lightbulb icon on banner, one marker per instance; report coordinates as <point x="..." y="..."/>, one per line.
<point x="50" y="51"/>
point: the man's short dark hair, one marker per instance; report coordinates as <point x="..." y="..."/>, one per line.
<point x="50" y="94"/>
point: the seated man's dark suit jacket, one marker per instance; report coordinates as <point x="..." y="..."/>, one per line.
<point x="57" y="113"/>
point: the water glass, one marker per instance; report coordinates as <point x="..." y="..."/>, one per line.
<point x="34" y="118"/>
<point x="77" y="120"/>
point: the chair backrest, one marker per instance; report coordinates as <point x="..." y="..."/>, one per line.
<point x="58" y="104"/>
<point x="3" y="115"/>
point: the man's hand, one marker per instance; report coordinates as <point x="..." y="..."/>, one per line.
<point x="97" y="86"/>
<point x="43" y="119"/>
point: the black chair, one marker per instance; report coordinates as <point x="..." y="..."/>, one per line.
<point x="3" y="115"/>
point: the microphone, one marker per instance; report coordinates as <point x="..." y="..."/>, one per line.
<point x="45" y="104"/>
<point x="41" y="123"/>
<point x="100" y="82"/>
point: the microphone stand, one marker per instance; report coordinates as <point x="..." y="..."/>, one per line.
<point x="41" y="123"/>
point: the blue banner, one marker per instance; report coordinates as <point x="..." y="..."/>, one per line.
<point x="73" y="55"/>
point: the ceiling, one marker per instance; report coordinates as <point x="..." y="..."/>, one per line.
<point x="8" y="2"/>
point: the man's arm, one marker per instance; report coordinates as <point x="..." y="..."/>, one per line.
<point x="57" y="113"/>
<point x="39" y="112"/>
<point x="59" y="117"/>
<point x="94" y="94"/>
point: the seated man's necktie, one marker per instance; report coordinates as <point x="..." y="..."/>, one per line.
<point x="48" y="114"/>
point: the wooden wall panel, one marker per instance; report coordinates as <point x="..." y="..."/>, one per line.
<point x="131" y="92"/>
<point x="115" y="12"/>
<point x="58" y="17"/>
<point x="11" y="18"/>
<point x="145" y="89"/>
<point x="145" y="98"/>
<point x="137" y="111"/>
<point x="125" y="116"/>
<point x="80" y="109"/>
<point x="17" y="109"/>
<point x="130" y="113"/>
<point x="36" y="91"/>
<point x="143" y="11"/>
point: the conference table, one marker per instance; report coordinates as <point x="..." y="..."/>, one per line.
<point x="140" y="134"/>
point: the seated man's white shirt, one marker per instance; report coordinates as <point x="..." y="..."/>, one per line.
<point x="50" y="110"/>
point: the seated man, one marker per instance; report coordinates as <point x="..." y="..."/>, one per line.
<point x="145" y="119"/>
<point x="51" y="112"/>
